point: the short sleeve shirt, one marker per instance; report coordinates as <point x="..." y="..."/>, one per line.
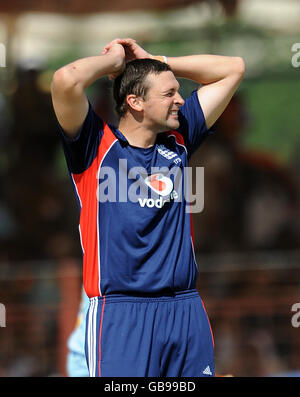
<point x="135" y="226"/>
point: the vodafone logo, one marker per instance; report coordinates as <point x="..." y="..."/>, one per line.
<point x="161" y="184"/>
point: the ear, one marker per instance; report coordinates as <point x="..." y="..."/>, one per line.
<point x="134" y="102"/>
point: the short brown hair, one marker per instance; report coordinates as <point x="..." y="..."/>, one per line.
<point x="132" y="81"/>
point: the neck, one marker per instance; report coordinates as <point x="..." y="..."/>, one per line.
<point x="137" y="134"/>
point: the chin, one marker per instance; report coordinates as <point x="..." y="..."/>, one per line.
<point x="174" y="125"/>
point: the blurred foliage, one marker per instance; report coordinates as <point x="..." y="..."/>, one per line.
<point x="273" y="106"/>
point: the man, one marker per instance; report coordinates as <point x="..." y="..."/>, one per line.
<point x="139" y="271"/>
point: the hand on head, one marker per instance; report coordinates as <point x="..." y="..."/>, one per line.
<point x="131" y="51"/>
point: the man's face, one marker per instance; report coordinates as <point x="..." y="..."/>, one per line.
<point x="162" y="102"/>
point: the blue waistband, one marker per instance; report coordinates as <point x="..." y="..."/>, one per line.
<point x="136" y="297"/>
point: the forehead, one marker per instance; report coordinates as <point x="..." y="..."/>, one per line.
<point x="162" y="82"/>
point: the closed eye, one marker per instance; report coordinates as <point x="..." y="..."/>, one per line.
<point x="172" y="92"/>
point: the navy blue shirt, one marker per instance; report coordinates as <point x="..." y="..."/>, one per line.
<point x="136" y="232"/>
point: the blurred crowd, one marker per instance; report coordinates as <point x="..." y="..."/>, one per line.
<point x="250" y="313"/>
<point x="35" y="201"/>
<point x="251" y="198"/>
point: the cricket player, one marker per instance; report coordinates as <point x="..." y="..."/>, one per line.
<point x="145" y="317"/>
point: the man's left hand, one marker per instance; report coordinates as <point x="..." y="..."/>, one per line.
<point x="132" y="49"/>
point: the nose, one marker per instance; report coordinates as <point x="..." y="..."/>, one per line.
<point x="179" y="100"/>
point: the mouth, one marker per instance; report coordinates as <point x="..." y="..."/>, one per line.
<point x="174" y="113"/>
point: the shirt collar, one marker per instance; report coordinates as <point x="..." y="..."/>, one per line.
<point x="118" y="134"/>
<point x="122" y="138"/>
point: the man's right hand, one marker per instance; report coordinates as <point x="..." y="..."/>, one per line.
<point x="117" y="51"/>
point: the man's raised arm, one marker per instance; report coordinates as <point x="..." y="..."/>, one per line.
<point x="69" y="83"/>
<point x="218" y="75"/>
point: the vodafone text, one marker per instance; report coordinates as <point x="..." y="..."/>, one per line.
<point x="158" y="203"/>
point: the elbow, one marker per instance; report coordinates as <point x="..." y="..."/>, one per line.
<point x="239" y="66"/>
<point x="61" y="79"/>
<point x="64" y="80"/>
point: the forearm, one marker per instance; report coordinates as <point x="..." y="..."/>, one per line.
<point x="83" y="72"/>
<point x="205" y="69"/>
<point x="69" y="83"/>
